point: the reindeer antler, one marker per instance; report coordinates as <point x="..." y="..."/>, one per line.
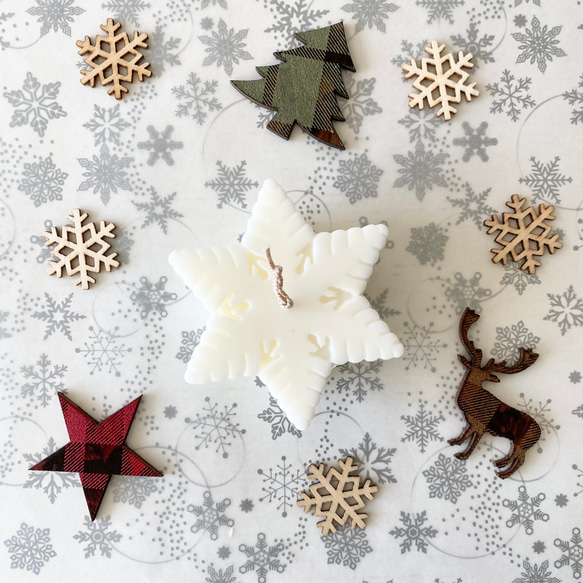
<point x="525" y="359"/>
<point x="468" y="318"/>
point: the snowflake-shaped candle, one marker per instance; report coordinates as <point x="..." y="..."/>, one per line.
<point x="328" y="321"/>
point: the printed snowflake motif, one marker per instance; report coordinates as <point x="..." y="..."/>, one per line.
<point x="291" y="16"/>
<point x="105" y="174"/>
<point x="135" y="491"/>
<point x="190" y="340"/>
<point x="545" y="180"/>
<point x="509" y="340"/>
<point x="196" y="99"/>
<point x="282" y="485"/>
<point x="510" y="96"/>
<point x="566" y="310"/>
<point x="447" y="478"/>
<point x="360" y="378"/>
<point x="575" y="377"/>
<point x="128" y="10"/>
<point x="225" y="47"/>
<point x="379" y="304"/>
<point x="475" y="141"/>
<point x="360" y="103"/>
<point x="34" y="104"/>
<point x="231" y="185"/>
<point x="224" y="552"/>
<point x="246" y="505"/>
<point x="575" y="98"/>
<point x="422" y="427"/>
<point x="55" y="14"/>
<point x="538" y="44"/>
<point x="43" y="380"/>
<point x="561" y="500"/>
<point x="346" y="547"/>
<point x="211" y="515"/>
<point x="572" y="553"/>
<point x="280" y="424"/>
<point x="221" y="3"/>
<point x="152" y="298"/>
<point x="218" y="575"/>
<point x="159" y="210"/>
<point x="3" y="320"/>
<point x="103" y="351"/>
<point x="539" y="414"/>
<point x="51" y="482"/>
<point x="467" y="292"/>
<point x="358" y="178"/>
<point x="58" y="316"/>
<point x="161" y="51"/>
<point x="473" y="206"/>
<point x="42" y="181"/>
<point x="4" y="17"/>
<point x="413" y="531"/>
<point x="536" y="574"/>
<point x="514" y="275"/>
<point x="106" y="125"/>
<point x="30" y="549"/>
<point x="520" y="21"/>
<point x="370" y="13"/>
<point x="373" y="462"/>
<point x="477" y="46"/>
<point x="160" y="145"/>
<point x="421" y="124"/>
<point x="409" y="51"/>
<point x="261" y="558"/>
<point x="428" y="243"/>
<point x="539" y="547"/>
<point x="420" y="170"/>
<point x="215" y="427"/>
<point x="98" y="536"/>
<point x="170" y="412"/>
<point x="525" y="510"/>
<point x="438" y="9"/>
<point x="420" y="349"/>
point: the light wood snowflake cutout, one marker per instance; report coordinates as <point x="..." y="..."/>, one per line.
<point x="81" y="249"/>
<point x="440" y="80"/>
<point x="338" y="496"/>
<point x="114" y="58"/>
<point x="523" y="234"/>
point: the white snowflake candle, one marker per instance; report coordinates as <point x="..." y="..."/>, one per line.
<point x="254" y="331"/>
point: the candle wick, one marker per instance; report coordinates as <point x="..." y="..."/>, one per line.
<point x="284" y="300"/>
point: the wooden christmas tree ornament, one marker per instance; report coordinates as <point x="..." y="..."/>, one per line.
<point x="114" y="59"/>
<point x="337" y="496"/>
<point x="484" y="412"/>
<point x="441" y="80"/>
<point x="303" y="89"/>
<point x="523" y="235"/>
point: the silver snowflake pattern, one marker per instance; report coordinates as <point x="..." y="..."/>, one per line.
<point x="282" y="485"/>
<point x="370" y="13"/>
<point x="428" y="243"/>
<point x="211" y="515"/>
<point x="291" y="16"/>
<point x="358" y="178"/>
<point x="98" y="536"/>
<point x="359" y="378"/>
<point x="414" y="531"/>
<point x="44" y="252"/>
<point x="153" y="298"/>
<point x="196" y="98"/>
<point x="126" y="9"/>
<point x="420" y="170"/>
<point x="231" y="185"/>
<point x="475" y="141"/>
<point x="373" y="462"/>
<point x="510" y="339"/>
<point x="58" y="316"/>
<point x="51" y="482"/>
<point x="160" y="145"/>
<point x="420" y="347"/>
<point x="409" y="51"/>
<point x="106" y="125"/>
<point x="422" y="427"/>
<point x="215" y="427"/>
<point x="105" y="174"/>
<point x="422" y="124"/>
<point x="4" y="17"/>
<point x="221" y="3"/>
<point x="103" y="351"/>
<point x="539" y="44"/>
<point x="465" y="292"/>
<point x="566" y="310"/>
<point x="162" y="51"/>
<point x="30" y="548"/>
<point x="447" y="478"/>
<point x="545" y="180"/>
<point x="536" y="574"/>
<point x="135" y="491"/>
<point x="514" y="275"/>
<point x="158" y="210"/>
<point x="55" y="14"/>
<point x="346" y="547"/>
<point x="479" y="47"/>
<point x="379" y="305"/>
<point x="218" y="575"/>
<point x="261" y="558"/>
<point x="575" y="99"/>
<point x="280" y="424"/>
<point x="438" y="9"/>
<point x="525" y="510"/>
<point x="510" y="96"/>
<point x="35" y="104"/>
<point x="360" y="103"/>
<point x="575" y="377"/>
<point x="42" y="181"/>
<point x="539" y="547"/>
<point x="4" y="333"/>
<point x="190" y="340"/>
<point x="225" y="47"/>
<point x="572" y="553"/>
<point x="43" y="380"/>
<point x="540" y="414"/>
<point x="474" y="206"/>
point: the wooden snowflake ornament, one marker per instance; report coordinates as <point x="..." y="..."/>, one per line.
<point x="523" y="235"/>
<point x="81" y="249"/>
<point x="337" y="496"/>
<point x="114" y="59"/>
<point x="441" y="80"/>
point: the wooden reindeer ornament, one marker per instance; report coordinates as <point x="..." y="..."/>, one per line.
<point x="484" y="412"/>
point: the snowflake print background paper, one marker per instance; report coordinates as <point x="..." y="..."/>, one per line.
<point x="178" y="163"/>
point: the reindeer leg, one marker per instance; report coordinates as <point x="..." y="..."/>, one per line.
<point x="462" y="436"/>
<point x="504" y="461"/>
<point x="464" y="455"/>
<point x="514" y="465"/>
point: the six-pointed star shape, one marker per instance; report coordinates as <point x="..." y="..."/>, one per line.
<point x="96" y="451"/>
<point x="292" y="351"/>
